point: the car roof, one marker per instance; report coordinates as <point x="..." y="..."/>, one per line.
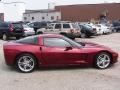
<point x="50" y="35"/>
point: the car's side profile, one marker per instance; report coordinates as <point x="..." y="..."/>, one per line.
<point x="11" y="29"/>
<point x="55" y="50"/>
<point x="64" y="28"/>
<point x="87" y="31"/>
<point x="28" y="31"/>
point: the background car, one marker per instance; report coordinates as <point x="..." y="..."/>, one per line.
<point x="87" y="31"/>
<point x="28" y="31"/>
<point x="99" y="31"/>
<point x="68" y="29"/>
<point x="105" y="29"/>
<point x="50" y="50"/>
<point x="11" y="29"/>
<point x="116" y="25"/>
<point x="37" y="25"/>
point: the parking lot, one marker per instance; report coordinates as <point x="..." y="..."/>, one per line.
<point x="86" y="78"/>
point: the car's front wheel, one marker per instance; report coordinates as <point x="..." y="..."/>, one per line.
<point x="102" y="60"/>
<point x="25" y="63"/>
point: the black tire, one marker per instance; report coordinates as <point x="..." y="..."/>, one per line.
<point x="83" y="35"/>
<point x="27" y="65"/>
<point x="64" y="34"/>
<point x="18" y="37"/>
<point x="100" y="61"/>
<point x="114" y="30"/>
<point x="39" y="32"/>
<point x="4" y="37"/>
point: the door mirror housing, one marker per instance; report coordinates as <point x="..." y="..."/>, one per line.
<point x="68" y="48"/>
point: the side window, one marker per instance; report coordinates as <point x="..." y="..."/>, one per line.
<point x="55" y="42"/>
<point x="4" y="25"/>
<point x="58" y="26"/>
<point x="29" y="40"/>
<point x="31" y="25"/>
<point x="66" y="26"/>
<point x="0" y="24"/>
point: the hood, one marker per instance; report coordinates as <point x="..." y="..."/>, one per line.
<point x="93" y="45"/>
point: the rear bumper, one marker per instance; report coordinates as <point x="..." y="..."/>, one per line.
<point x="75" y="35"/>
<point x="9" y="57"/>
<point x="15" y="34"/>
<point x="114" y="57"/>
<point x="29" y="33"/>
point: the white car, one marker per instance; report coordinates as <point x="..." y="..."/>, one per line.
<point x="28" y="30"/>
<point x="104" y="28"/>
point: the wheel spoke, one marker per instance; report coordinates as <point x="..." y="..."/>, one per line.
<point x="20" y="63"/>
<point x="25" y="67"/>
<point x="30" y="66"/>
<point x="26" y="63"/>
<point x="99" y="62"/>
<point x="103" y="63"/>
<point x="107" y="61"/>
<point x="103" y="60"/>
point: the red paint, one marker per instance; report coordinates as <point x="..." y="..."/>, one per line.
<point x="54" y="56"/>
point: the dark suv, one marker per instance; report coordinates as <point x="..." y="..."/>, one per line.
<point x="37" y="25"/>
<point x="11" y="29"/>
<point x="116" y="25"/>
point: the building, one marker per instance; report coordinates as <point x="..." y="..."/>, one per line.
<point x="87" y="12"/>
<point x="41" y="15"/>
<point x="1" y="16"/>
<point x="12" y="11"/>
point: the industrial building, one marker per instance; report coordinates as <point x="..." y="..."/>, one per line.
<point x="87" y="12"/>
<point x="41" y="15"/>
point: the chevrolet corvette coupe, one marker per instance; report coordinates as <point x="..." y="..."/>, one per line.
<point x="50" y="50"/>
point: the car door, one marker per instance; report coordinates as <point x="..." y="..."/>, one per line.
<point x="57" y="51"/>
<point x="66" y="27"/>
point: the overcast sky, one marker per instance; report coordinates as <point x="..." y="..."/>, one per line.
<point x="43" y="4"/>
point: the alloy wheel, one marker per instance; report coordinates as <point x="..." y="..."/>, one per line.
<point x="103" y="61"/>
<point x="26" y="63"/>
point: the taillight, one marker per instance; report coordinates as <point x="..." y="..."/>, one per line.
<point x="11" y="28"/>
<point x="24" y="30"/>
<point x="71" y="30"/>
<point x="94" y="29"/>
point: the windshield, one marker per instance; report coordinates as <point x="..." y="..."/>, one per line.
<point x="17" y="25"/>
<point x="74" y="43"/>
<point x="26" y="26"/>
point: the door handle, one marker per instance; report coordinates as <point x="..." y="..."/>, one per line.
<point x="40" y="48"/>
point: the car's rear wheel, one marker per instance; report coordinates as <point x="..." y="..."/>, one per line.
<point x="4" y="37"/>
<point x="26" y="63"/>
<point x="83" y="35"/>
<point x="39" y="32"/>
<point x="102" y="60"/>
<point x="18" y="37"/>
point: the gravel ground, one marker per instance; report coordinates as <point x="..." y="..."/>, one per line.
<point x="65" y="78"/>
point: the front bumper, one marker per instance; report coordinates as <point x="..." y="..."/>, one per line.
<point x="115" y="57"/>
<point x="15" y="34"/>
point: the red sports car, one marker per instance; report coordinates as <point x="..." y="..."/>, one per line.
<point x="56" y="50"/>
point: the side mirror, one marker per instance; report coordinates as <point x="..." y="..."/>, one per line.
<point x="68" y="48"/>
